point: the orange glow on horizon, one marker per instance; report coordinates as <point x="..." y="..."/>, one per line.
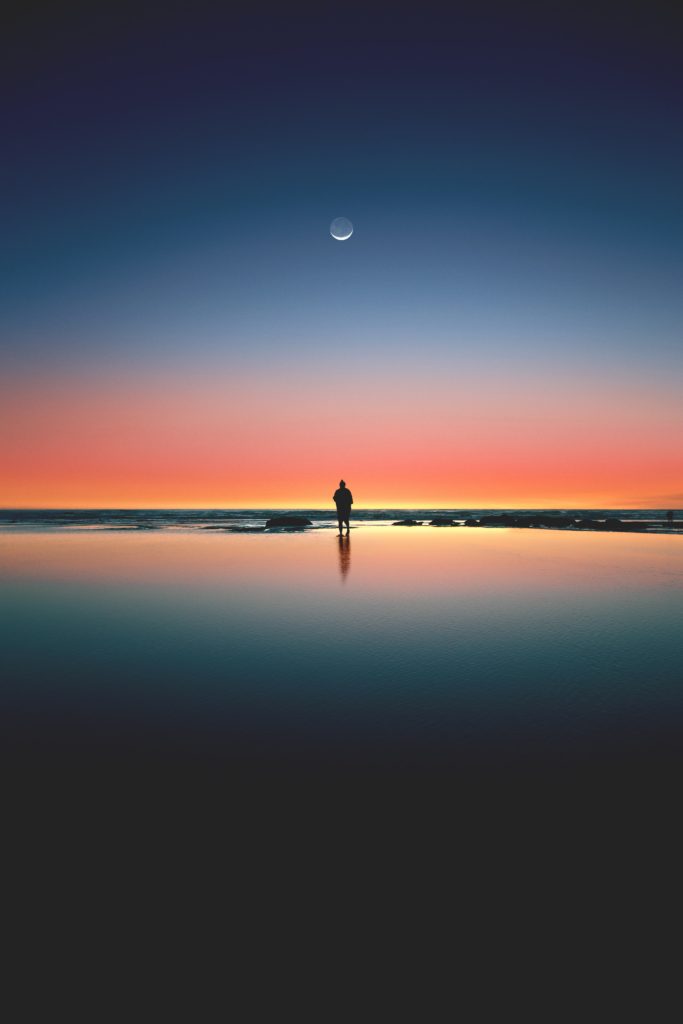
<point x="405" y="439"/>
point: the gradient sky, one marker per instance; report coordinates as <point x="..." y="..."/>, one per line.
<point x="177" y="327"/>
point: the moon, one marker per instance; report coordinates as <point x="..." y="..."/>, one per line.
<point x="341" y="228"/>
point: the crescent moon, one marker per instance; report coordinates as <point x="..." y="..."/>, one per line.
<point x="341" y="229"/>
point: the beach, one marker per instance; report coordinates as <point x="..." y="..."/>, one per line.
<point x="394" y="650"/>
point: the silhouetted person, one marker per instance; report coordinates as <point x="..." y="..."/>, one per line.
<point x="343" y="499"/>
<point x="344" y="555"/>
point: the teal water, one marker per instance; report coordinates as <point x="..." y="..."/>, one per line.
<point x="411" y="649"/>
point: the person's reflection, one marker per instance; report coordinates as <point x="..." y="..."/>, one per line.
<point x="344" y="555"/>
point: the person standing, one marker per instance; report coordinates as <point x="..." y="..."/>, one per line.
<point x="343" y="499"/>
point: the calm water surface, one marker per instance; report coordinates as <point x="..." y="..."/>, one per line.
<point x="414" y="648"/>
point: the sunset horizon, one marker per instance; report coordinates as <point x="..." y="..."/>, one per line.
<point x="497" y="323"/>
<point x="341" y="488"/>
<point x="447" y="431"/>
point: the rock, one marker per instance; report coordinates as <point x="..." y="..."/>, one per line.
<point x="498" y="520"/>
<point x="285" y="521"/>
<point x="407" y="522"/>
<point x="614" y="524"/>
<point x="551" y="522"/>
<point x="442" y="522"/>
<point x="471" y="522"/>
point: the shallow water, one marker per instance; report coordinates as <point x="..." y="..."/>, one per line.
<point x="396" y="648"/>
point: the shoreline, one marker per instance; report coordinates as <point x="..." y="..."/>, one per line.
<point x="652" y="529"/>
<point x="645" y="521"/>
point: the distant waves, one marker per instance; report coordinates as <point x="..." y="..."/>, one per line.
<point x="229" y="519"/>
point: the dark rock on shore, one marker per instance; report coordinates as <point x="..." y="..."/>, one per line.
<point x="551" y="522"/>
<point x="498" y="520"/>
<point x="287" y="521"/>
<point x="618" y="524"/>
<point x="407" y="522"/>
<point x="442" y="522"/>
<point x="558" y="522"/>
<point x="612" y="525"/>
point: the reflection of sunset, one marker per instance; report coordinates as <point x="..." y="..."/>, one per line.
<point x="398" y="564"/>
<point x="436" y="647"/>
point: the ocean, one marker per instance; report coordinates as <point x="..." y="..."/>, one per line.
<point x="394" y="649"/>
<point x="197" y="519"/>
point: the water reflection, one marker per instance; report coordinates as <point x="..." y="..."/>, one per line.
<point x="344" y="555"/>
<point x="459" y="646"/>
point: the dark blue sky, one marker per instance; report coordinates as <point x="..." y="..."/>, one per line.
<point x="512" y="171"/>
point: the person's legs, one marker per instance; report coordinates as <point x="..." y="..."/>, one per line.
<point x="347" y="517"/>
<point x="340" y="520"/>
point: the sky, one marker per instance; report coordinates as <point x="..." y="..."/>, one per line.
<point x="178" y="328"/>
